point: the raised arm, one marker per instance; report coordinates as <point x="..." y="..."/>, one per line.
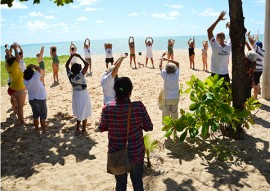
<point x="84" y="42"/>
<point x="161" y="60"/>
<point x="129" y="41"/>
<point x="146" y="41"/>
<point x="172" y="61"/>
<point x="152" y="40"/>
<point x="189" y="42"/>
<point x="194" y="42"/>
<point x="34" y="67"/>
<point x="250" y="39"/>
<point x="117" y="65"/>
<point x="84" y="71"/>
<point x="41" y="54"/>
<point x="68" y="62"/>
<point x="248" y="47"/>
<point x="21" y="50"/>
<point x="213" y="26"/>
<point x="17" y="56"/>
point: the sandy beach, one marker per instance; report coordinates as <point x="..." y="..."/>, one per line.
<point x="60" y="161"/>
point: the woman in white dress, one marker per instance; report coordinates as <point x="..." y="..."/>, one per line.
<point x="149" y="53"/>
<point x="81" y="104"/>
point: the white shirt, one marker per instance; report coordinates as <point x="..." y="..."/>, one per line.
<point x="108" y="53"/>
<point x="171" y="84"/>
<point x="87" y="53"/>
<point x="220" y="57"/>
<point x="22" y="65"/>
<point x="107" y="84"/>
<point x="36" y="89"/>
<point x="149" y="53"/>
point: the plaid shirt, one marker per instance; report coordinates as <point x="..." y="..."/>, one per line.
<point x="114" y="119"/>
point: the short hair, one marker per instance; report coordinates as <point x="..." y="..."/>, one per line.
<point x="11" y="60"/>
<point x="123" y="88"/>
<point x="72" y="48"/>
<point x="251" y="56"/>
<point x="6" y="45"/>
<point x="221" y="35"/>
<point x="20" y="53"/>
<point x="37" y="55"/>
<point x="53" y="49"/>
<point x="28" y="73"/>
<point x="170" y="68"/>
<point x="76" y="68"/>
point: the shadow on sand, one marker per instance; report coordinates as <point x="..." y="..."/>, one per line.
<point x="245" y="151"/>
<point x="22" y="148"/>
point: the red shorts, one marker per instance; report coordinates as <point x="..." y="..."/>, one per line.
<point x="10" y="91"/>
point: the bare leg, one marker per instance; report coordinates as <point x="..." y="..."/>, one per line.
<point x="36" y="123"/>
<point x="256" y="90"/>
<point x="84" y="125"/>
<point x="43" y="125"/>
<point x="78" y="125"/>
<point x="107" y="65"/>
<point x="146" y="62"/>
<point x="190" y="62"/>
<point x="20" y="98"/>
<point x="134" y="61"/>
<point x="14" y="104"/>
<point x="192" y="59"/>
<point x="90" y="65"/>
<point x="152" y="62"/>
<point x="172" y="56"/>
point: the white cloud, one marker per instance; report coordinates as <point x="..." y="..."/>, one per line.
<point x="133" y="14"/>
<point x="99" y="21"/>
<point x="74" y="6"/>
<point x="82" y="19"/>
<point x="15" y="5"/>
<point x="209" y="12"/>
<point x="173" y="14"/>
<point x="36" y="14"/>
<point x="86" y="2"/>
<point x="177" y="6"/>
<point x="90" y="9"/>
<point x="159" y="15"/>
<point x="37" y="25"/>
<point x="49" y="17"/>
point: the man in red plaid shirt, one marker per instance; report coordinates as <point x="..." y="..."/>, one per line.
<point x="114" y="120"/>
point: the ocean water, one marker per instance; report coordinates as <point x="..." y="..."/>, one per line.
<point x="120" y="45"/>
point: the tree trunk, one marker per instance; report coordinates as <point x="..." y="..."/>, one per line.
<point x="239" y="74"/>
<point x="237" y="34"/>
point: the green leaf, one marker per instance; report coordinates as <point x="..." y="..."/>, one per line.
<point x="193" y="97"/>
<point x="251" y="121"/>
<point x="167" y="120"/>
<point x="214" y="126"/>
<point x="183" y="136"/>
<point x="226" y="108"/>
<point x="200" y="84"/>
<point x="205" y="129"/>
<point x="168" y="133"/>
<point x="194" y="106"/>
<point x="193" y="132"/>
<point x="166" y="128"/>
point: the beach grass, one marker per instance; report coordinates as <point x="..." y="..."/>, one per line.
<point x="47" y="62"/>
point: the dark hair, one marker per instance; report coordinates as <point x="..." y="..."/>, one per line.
<point x="6" y="45"/>
<point x="123" y="88"/>
<point x="28" y="73"/>
<point x="20" y="53"/>
<point x="53" y="49"/>
<point x="11" y="60"/>
<point x="72" y="48"/>
<point x="76" y="68"/>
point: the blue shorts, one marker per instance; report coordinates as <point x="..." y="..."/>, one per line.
<point x="39" y="108"/>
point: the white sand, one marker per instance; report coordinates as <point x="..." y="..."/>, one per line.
<point x="60" y="161"/>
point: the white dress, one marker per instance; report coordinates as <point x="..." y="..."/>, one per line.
<point x="81" y="103"/>
<point x="149" y="52"/>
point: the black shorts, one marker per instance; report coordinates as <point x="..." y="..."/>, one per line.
<point x="225" y="76"/>
<point x="39" y="108"/>
<point x="256" y="77"/>
<point x="107" y="60"/>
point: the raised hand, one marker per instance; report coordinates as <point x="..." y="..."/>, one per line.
<point x="221" y="16"/>
<point x="164" y="54"/>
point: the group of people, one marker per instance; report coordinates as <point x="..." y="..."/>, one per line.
<point x="117" y="90"/>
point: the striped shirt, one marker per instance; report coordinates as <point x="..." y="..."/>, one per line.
<point x="260" y="55"/>
<point x="114" y="120"/>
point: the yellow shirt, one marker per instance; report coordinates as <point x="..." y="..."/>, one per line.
<point x="16" y="76"/>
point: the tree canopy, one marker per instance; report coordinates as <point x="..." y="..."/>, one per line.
<point x="57" y="2"/>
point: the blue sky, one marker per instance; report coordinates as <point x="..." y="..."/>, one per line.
<point x="104" y="19"/>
